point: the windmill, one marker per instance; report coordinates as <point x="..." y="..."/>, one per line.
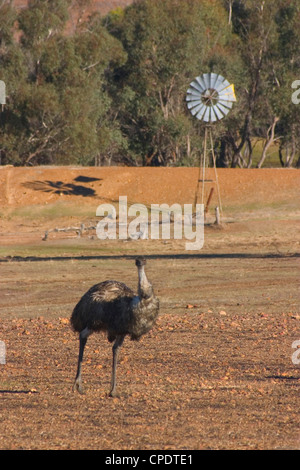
<point x="209" y="98"/>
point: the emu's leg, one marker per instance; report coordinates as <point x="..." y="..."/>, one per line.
<point x="115" y="349"/>
<point x="83" y="336"/>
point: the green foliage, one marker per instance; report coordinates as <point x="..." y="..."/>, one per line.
<point x="167" y="44"/>
<point x="113" y="91"/>
<point x="58" y="105"/>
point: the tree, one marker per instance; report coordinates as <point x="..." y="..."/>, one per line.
<point x="58" y="113"/>
<point x="264" y="30"/>
<point x="13" y="73"/>
<point x="167" y="43"/>
<point x="112" y="90"/>
<point x="99" y="53"/>
<point x="287" y="66"/>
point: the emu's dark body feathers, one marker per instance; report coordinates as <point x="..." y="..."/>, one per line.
<point x="105" y="306"/>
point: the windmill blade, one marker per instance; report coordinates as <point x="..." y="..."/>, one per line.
<point x="193" y="92"/>
<point x="213" y="115"/>
<point x="218" y="112"/>
<point x="195" y="87"/>
<point x="219" y="84"/>
<point x="193" y="104"/>
<point x="222" y="108"/>
<point x="200" y="114"/>
<point x="206" y="78"/>
<point x="213" y="80"/>
<point x="226" y="103"/>
<point x="206" y="116"/>
<point x="193" y="96"/>
<point x="195" y="110"/>
<point x="201" y="83"/>
<point x="225" y="83"/>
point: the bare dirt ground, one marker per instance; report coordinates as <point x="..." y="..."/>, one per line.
<point x="219" y="370"/>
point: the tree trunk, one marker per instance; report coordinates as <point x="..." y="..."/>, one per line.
<point x="223" y="160"/>
<point x="188" y="146"/>
<point x="289" y="154"/>
<point x="268" y="142"/>
<point x="230" y="11"/>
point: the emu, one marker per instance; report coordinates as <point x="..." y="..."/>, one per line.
<point x="113" y="307"/>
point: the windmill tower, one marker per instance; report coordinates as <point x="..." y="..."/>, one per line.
<point x="2" y="103"/>
<point x="209" y="98"/>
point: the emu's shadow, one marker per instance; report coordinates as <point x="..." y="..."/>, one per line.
<point x="59" y="187"/>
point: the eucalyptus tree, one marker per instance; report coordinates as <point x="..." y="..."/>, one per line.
<point x="268" y="46"/>
<point x="168" y="43"/>
<point x="58" y="109"/>
<point x="13" y="73"/>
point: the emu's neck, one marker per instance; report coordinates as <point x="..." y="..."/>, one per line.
<point x="144" y="287"/>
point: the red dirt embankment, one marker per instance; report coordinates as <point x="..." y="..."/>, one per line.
<point x="20" y="187"/>
<point x="260" y="206"/>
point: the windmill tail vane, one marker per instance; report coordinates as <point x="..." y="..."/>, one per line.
<point x="230" y="93"/>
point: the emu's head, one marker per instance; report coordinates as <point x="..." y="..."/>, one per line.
<point x="140" y="261"/>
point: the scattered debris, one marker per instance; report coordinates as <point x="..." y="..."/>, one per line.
<point x="79" y="230"/>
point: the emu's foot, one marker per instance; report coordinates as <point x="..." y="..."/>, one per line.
<point x="113" y="393"/>
<point x="78" y="387"/>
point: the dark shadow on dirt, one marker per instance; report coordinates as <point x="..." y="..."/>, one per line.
<point x="86" y="179"/>
<point x="14" y="392"/>
<point x="282" y="377"/>
<point x="9" y="259"/>
<point x="59" y="187"/>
